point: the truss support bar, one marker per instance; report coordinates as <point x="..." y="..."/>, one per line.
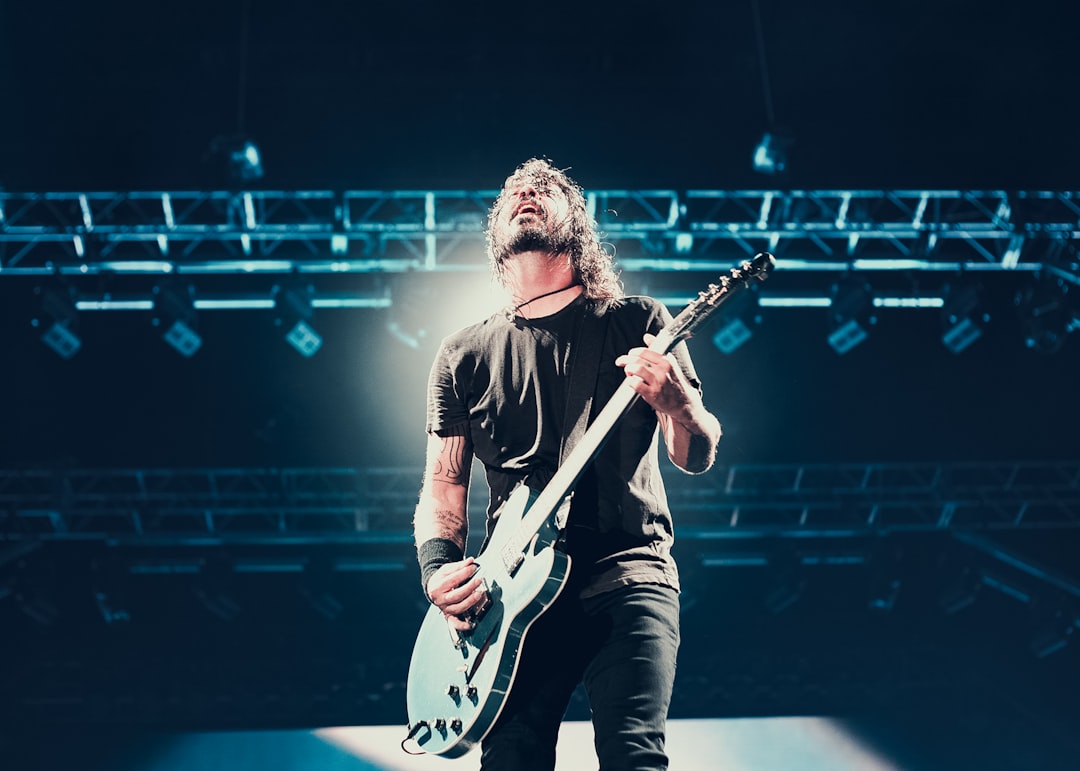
<point x="1001" y="554"/>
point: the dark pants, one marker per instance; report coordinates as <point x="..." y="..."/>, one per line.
<point x="622" y="645"/>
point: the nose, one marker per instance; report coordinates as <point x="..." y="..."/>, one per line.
<point x="527" y="191"/>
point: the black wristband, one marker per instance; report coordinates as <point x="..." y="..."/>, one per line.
<point x="432" y="554"/>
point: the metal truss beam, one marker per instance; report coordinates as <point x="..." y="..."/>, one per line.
<point x="341" y="505"/>
<point x="328" y="232"/>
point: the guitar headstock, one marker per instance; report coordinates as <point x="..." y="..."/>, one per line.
<point x="737" y="278"/>
<point x="708" y="300"/>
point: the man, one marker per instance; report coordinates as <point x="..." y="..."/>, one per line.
<point x="497" y="392"/>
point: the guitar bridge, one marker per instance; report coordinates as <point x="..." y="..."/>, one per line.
<point x="477" y="611"/>
<point x="474" y="615"/>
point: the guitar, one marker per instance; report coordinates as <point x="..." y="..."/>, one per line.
<point x="458" y="681"/>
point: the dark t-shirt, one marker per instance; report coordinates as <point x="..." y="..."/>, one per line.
<point x="507" y="380"/>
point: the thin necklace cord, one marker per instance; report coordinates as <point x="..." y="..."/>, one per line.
<point x="516" y="308"/>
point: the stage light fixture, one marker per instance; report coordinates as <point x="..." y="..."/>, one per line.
<point x="247" y="161"/>
<point x="732" y="334"/>
<point x="850" y="314"/>
<point x="734" y="329"/>
<point x="963" y="318"/>
<point x="60" y="321"/>
<point x="339" y="244"/>
<point x="295" y="312"/>
<point x="771" y="153"/>
<point x="174" y="307"/>
<point x="242" y="158"/>
<point x="62" y="339"/>
<point x="304" y="338"/>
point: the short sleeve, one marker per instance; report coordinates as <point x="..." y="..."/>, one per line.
<point x="446" y="406"/>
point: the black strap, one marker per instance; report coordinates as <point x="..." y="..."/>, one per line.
<point x="588" y="345"/>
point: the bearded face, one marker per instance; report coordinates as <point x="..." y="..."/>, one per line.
<point x="532" y="213"/>
<point x="542" y="209"/>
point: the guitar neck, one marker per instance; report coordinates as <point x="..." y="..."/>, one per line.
<point x="567" y="475"/>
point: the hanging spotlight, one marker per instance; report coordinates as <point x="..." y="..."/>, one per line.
<point x="850" y="314"/>
<point x="294" y="305"/>
<point x="962" y="316"/>
<point x="771" y="153"/>
<point x="237" y="155"/>
<point x="246" y="162"/>
<point x="61" y="322"/>
<point x="174" y="310"/>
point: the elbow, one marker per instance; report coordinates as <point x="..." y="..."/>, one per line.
<point x="700" y="452"/>
<point x="693" y="466"/>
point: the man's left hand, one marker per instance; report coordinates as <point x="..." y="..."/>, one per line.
<point x="660" y="380"/>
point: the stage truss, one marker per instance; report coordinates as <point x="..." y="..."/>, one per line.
<point x="338" y="505"/>
<point x="331" y="232"/>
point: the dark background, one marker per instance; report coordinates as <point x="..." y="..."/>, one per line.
<point x="633" y="95"/>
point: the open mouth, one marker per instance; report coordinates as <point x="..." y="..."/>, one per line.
<point x="528" y="208"/>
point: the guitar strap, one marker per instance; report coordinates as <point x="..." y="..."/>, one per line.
<point x="584" y="365"/>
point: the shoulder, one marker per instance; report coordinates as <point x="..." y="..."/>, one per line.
<point x="638" y="309"/>
<point x="640" y="303"/>
<point x="475" y="337"/>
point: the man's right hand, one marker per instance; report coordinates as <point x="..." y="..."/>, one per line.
<point x="456" y="590"/>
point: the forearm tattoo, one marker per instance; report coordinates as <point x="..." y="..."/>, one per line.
<point x="450" y="525"/>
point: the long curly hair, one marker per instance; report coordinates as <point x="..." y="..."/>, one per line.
<point x="591" y="261"/>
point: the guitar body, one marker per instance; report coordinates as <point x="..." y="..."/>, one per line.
<point x="458" y="681"/>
